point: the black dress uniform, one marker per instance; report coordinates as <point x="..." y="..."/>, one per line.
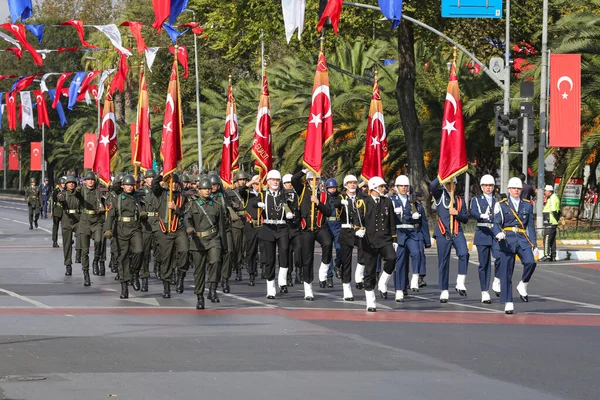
<point x="227" y="261"/>
<point x="56" y="210"/>
<point x="70" y="220"/>
<point x="33" y="196"/>
<point x="252" y="227"/>
<point x="295" y="246"/>
<point x="90" y="227"/>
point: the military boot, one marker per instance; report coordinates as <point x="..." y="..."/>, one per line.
<point x="78" y="256"/>
<point x="86" y="278"/>
<point x="117" y="276"/>
<point x="102" y="269"/>
<point x="225" y="285"/>
<point x="113" y="266"/>
<point x="174" y="277"/>
<point x="55" y="244"/>
<point x="136" y="281"/>
<point x="124" y="290"/>
<point x="68" y="270"/>
<point x="210" y="292"/>
<point x="252" y="279"/>
<point x="144" y="285"/>
<point x="200" y="303"/>
<point x="30" y="225"/>
<point x="95" y="269"/>
<point x="166" y="289"/>
<point x="330" y="281"/>
<point x="215" y="296"/>
<point x="238" y="274"/>
<point x="180" y="282"/>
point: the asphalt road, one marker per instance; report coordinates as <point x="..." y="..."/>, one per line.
<point x="61" y="340"/>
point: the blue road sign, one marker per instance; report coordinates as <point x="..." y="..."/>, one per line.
<point x="472" y="8"/>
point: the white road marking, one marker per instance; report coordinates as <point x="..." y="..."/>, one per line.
<point x="577" y="303"/>
<point x="568" y="276"/>
<point x="491" y="310"/>
<point x="151" y="301"/>
<point x="25" y="223"/>
<point x="24" y="298"/>
<point x="251" y="301"/>
<point x="362" y="303"/>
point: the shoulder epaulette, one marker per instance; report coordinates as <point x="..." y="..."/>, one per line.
<point x="503" y="201"/>
<point x="527" y="201"/>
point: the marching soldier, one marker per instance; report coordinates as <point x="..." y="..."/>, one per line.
<point x="69" y="223"/>
<point x="238" y="218"/>
<point x="378" y="234"/>
<point x="172" y="240"/>
<point x="295" y="246"/>
<point x="224" y="201"/>
<point x="274" y="233"/>
<point x="515" y="231"/>
<point x="205" y="221"/>
<point x="114" y="191"/>
<point x="251" y="229"/>
<point x="449" y="235"/>
<point x="46" y="191"/>
<point x="413" y="235"/>
<point x="33" y="197"/>
<point x="90" y="223"/>
<point x="314" y="207"/>
<point x="482" y="209"/>
<point x="56" y="211"/>
<point x="551" y="213"/>
<point x="125" y="213"/>
<point x="150" y="227"/>
<point x="334" y="226"/>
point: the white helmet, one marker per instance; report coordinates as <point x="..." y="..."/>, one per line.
<point x="487" y="180"/>
<point x="273" y="174"/>
<point x="402" y="180"/>
<point x="515" y="183"/>
<point x="286" y="178"/>
<point x="550" y="188"/>
<point x="310" y="175"/>
<point x="349" y="178"/>
<point x="375" y="182"/>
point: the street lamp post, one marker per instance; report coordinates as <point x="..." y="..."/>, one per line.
<point x="543" y="120"/>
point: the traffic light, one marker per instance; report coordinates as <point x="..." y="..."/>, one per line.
<point x="499" y="136"/>
<point x="506" y="127"/>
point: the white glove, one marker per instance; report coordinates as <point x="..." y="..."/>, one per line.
<point x="395" y="246"/>
<point x="484" y="216"/>
<point x="536" y="252"/>
<point x="289" y="215"/>
<point x="360" y="233"/>
<point x="344" y="202"/>
<point x="261" y="205"/>
<point x="501" y="236"/>
<point x="416" y="215"/>
<point x="398" y="210"/>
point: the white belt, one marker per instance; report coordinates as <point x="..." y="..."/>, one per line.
<point x="347" y="226"/>
<point x="405" y="226"/>
<point x="485" y="225"/>
<point x="274" y="222"/>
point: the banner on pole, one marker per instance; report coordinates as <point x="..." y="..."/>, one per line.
<point x="35" y="159"/>
<point x="89" y="150"/>
<point x="13" y="157"/>
<point x="565" y="100"/>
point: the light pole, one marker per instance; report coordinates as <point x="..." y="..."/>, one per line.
<point x="198" y="123"/>
<point x="543" y="121"/>
<point x="504" y="160"/>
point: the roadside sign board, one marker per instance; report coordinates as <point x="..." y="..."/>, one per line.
<point x="472" y="8"/>
<point x="572" y="193"/>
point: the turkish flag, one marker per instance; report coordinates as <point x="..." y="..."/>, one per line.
<point x="13" y="157"/>
<point x="376" y="148"/>
<point x="118" y="81"/>
<point x="262" y="148"/>
<point x="142" y="154"/>
<point x="230" y="150"/>
<point x="89" y="77"/>
<point x="36" y="156"/>
<point x="320" y="122"/>
<point x="59" y="87"/>
<point x="162" y="10"/>
<point x="333" y="10"/>
<point x="23" y="83"/>
<point x="182" y="57"/>
<point x="1" y="158"/>
<point x="453" y="146"/>
<point x="136" y="31"/>
<point x="196" y="27"/>
<point x="42" y="109"/>
<point x="170" y="148"/>
<point x="11" y="110"/>
<point x="89" y="150"/>
<point x="107" y="145"/>
<point x="78" y="25"/>
<point x="565" y="100"/>
<point x="19" y="32"/>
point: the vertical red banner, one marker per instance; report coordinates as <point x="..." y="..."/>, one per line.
<point x="13" y="157"/>
<point x="89" y="150"/>
<point x="1" y="158"/>
<point x="565" y="100"/>
<point x="35" y="156"/>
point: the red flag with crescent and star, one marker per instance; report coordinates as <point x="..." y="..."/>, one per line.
<point x="13" y="157"/>
<point x="11" y="110"/>
<point x="453" y="146"/>
<point x="182" y="57"/>
<point x="143" y="150"/>
<point x="262" y="148"/>
<point x="565" y="100"/>
<point x="230" y="151"/>
<point x="19" y="33"/>
<point x="35" y="159"/>
<point x="107" y="144"/>
<point x="89" y="150"/>
<point x="170" y="148"/>
<point x="320" y="122"/>
<point x="42" y="109"/>
<point x="376" y="147"/>
<point x="59" y="85"/>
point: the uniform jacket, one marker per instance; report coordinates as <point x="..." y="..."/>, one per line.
<point x="91" y="200"/>
<point x="483" y="234"/>
<point x="33" y="197"/>
<point x="379" y="221"/>
<point x="348" y="217"/>
<point x="162" y="202"/>
<point x="219" y="197"/>
<point x="56" y="206"/>
<point x="322" y="210"/>
<point x="504" y="217"/>
<point x="125" y="205"/>
<point x="404" y="213"/>
<point x="442" y="204"/>
<point x="45" y="190"/>
<point x="149" y="208"/>
<point x="275" y="209"/>
<point x="206" y="215"/>
<point x="70" y="208"/>
<point x="294" y="223"/>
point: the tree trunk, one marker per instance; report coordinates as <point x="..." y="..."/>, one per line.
<point x="405" y="97"/>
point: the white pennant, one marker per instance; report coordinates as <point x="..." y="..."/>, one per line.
<point x="150" y="55"/>
<point x="88" y="99"/>
<point x="43" y="86"/>
<point x="293" y="17"/>
<point x="103" y="77"/>
<point x="112" y="33"/>
<point x="10" y="40"/>
<point x="27" y="118"/>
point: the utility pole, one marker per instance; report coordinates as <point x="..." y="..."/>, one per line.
<point x="543" y="120"/>
<point x="504" y="160"/>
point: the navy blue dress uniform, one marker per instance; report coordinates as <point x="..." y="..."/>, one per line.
<point x="69" y="203"/>
<point x="334" y="225"/>
<point x="46" y="191"/>
<point x="378" y="238"/>
<point x="514" y="227"/>
<point x="295" y="246"/>
<point x="482" y="209"/>
<point x="447" y="238"/>
<point x="254" y="221"/>
<point x="313" y="229"/>
<point x="413" y="235"/>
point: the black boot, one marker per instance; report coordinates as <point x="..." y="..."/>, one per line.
<point x="251" y="282"/>
<point x="102" y="269"/>
<point x="35" y="223"/>
<point x="238" y="275"/>
<point x="55" y="244"/>
<point x="166" y="289"/>
<point x="297" y="280"/>
<point x="330" y="282"/>
<point x="114" y="268"/>
<point x="117" y="276"/>
<point x="174" y="276"/>
<point x="422" y="282"/>
<point x="95" y="269"/>
<point x="30" y="226"/>
<point x="289" y="280"/>
<point x="136" y="281"/>
<point x="156" y="270"/>
<point x="338" y="271"/>
<point x="86" y="278"/>
<point x="200" y="303"/>
<point x="144" y="285"/>
<point x="225" y="284"/>
<point x="124" y="290"/>
<point x="210" y="293"/>
<point x="68" y="270"/>
<point x="214" y="298"/>
<point x="262" y="273"/>
<point x="180" y="282"/>
<point x="77" y="256"/>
